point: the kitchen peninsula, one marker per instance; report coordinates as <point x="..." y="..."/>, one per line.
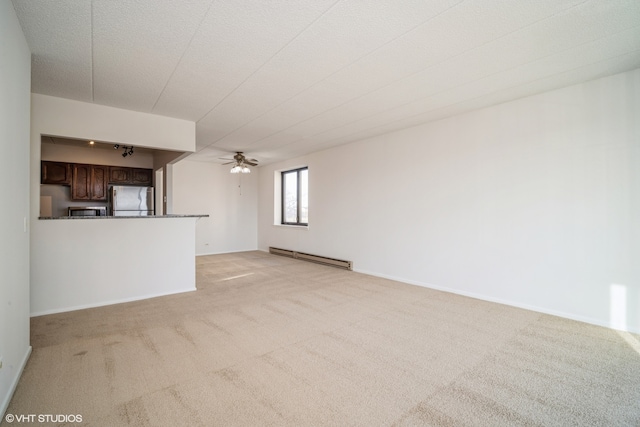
<point x="94" y="261"/>
<point x="91" y="263"/>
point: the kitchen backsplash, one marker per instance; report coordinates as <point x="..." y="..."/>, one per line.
<point x="61" y="200"/>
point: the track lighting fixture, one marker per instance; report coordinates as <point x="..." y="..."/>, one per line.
<point x="128" y="151"/>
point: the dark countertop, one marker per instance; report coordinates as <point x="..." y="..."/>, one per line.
<point x="126" y="217"/>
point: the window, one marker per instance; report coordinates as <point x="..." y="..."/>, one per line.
<point x="295" y="197"/>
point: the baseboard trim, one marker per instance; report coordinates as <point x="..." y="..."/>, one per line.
<point x="111" y="302"/>
<point x="227" y="252"/>
<point x="14" y="383"/>
<point x="529" y="307"/>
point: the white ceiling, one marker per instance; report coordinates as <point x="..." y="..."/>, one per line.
<point x="280" y="78"/>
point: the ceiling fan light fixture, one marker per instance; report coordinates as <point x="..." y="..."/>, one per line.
<point x="240" y="163"/>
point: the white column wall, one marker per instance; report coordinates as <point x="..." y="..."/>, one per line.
<point x="230" y="200"/>
<point x="533" y="203"/>
<point x="15" y="87"/>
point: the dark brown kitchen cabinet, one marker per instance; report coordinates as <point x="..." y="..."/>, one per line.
<point x="119" y="175"/>
<point x="99" y="181"/>
<point x="55" y="173"/>
<point x="89" y="182"/>
<point x="134" y="176"/>
<point x="142" y="177"/>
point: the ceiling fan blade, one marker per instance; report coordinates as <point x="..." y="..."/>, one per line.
<point x="240" y="159"/>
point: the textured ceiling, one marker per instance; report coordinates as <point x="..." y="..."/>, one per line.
<point x="280" y="78"/>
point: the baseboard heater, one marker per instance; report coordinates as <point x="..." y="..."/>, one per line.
<point x="347" y="265"/>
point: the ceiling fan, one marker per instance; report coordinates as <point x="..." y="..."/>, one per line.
<point x="241" y="163"/>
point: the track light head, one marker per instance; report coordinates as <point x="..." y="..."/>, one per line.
<point x="128" y="150"/>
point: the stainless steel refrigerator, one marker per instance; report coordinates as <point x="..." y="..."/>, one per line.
<point x="132" y="201"/>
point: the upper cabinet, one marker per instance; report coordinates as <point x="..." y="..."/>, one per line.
<point x="89" y="182"/>
<point x="119" y="175"/>
<point x="135" y="176"/>
<point x="143" y="177"/>
<point x="55" y="173"/>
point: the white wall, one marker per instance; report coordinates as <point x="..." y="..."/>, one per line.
<point x="93" y="262"/>
<point x="61" y="116"/>
<point x="65" y="273"/>
<point x="95" y="156"/>
<point x="15" y="84"/>
<point x="230" y="200"/>
<point x="534" y="203"/>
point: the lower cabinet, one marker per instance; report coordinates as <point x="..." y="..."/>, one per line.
<point x="89" y="182"/>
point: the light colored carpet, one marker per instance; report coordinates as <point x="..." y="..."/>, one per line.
<point x="268" y="340"/>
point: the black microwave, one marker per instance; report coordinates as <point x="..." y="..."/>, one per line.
<point x="87" y="211"/>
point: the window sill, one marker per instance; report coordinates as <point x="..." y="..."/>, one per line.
<point x="301" y="227"/>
